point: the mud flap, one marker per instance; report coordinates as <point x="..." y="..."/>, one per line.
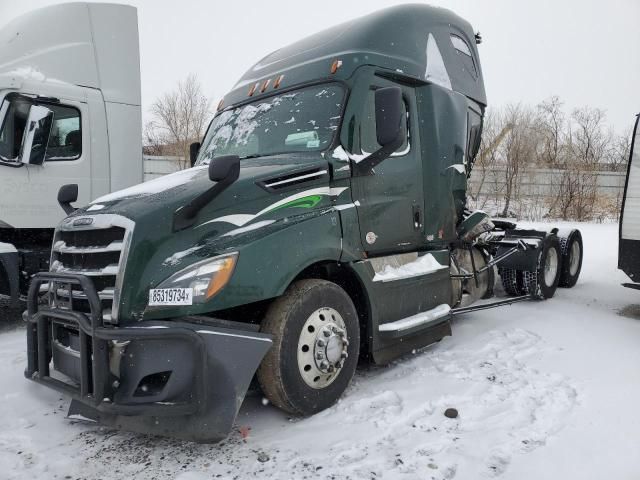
<point x="233" y="356"/>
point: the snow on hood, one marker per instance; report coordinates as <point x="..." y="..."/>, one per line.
<point x="7" y="248"/>
<point x="157" y="185"/>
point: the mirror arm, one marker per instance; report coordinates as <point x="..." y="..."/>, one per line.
<point x="184" y="217"/>
<point x="67" y="207"/>
<point x="366" y="165"/>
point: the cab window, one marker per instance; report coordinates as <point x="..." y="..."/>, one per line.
<point x="65" y="140"/>
<point x="368" y="138"/>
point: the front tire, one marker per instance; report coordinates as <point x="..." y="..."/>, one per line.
<point x="316" y="340"/>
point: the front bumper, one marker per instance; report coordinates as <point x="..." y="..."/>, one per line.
<point x="184" y="378"/>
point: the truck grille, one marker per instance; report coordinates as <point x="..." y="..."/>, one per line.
<point x="96" y="247"/>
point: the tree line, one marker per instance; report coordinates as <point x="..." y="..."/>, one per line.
<point x="574" y="149"/>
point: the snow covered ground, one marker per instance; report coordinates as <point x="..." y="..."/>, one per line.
<point x="543" y="389"/>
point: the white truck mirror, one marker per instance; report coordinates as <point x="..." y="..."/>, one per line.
<point x="36" y="135"/>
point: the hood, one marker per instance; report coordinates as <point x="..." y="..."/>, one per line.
<point x="250" y="202"/>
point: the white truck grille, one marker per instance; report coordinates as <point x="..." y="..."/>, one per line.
<point x="95" y="246"/>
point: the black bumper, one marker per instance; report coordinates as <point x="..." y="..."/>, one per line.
<point x="177" y="378"/>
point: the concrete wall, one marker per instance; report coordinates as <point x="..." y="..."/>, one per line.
<point x="155" y="167"/>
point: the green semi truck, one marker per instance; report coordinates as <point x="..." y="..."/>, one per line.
<point x="324" y="222"/>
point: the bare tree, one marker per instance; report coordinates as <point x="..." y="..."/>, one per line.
<point x="551" y="127"/>
<point x="179" y="118"/>
<point x="519" y="150"/>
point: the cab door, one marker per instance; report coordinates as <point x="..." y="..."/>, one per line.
<point x="29" y="192"/>
<point x="389" y="202"/>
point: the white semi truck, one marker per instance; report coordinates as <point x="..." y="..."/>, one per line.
<point x="69" y="114"/>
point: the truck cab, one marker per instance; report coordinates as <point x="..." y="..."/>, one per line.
<point x="69" y="114"/>
<point x="323" y="223"/>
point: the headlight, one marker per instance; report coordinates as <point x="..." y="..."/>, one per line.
<point x="206" y="278"/>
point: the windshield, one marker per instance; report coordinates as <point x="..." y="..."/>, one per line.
<point x="298" y="121"/>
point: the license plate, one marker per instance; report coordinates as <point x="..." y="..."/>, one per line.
<point x="170" y="296"/>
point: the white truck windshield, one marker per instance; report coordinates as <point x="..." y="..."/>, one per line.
<point x="297" y="121"/>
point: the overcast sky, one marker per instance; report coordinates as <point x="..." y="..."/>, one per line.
<point x="585" y="51"/>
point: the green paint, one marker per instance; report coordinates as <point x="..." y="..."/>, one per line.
<point x="304" y="202"/>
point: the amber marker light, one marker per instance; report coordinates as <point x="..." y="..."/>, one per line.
<point x="278" y="81"/>
<point x="335" y="66"/>
<point x="253" y="89"/>
<point x="222" y="276"/>
<point x="265" y="84"/>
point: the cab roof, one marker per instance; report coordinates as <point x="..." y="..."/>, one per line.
<point x="429" y="44"/>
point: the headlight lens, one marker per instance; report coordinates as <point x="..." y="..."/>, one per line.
<point x="206" y="278"/>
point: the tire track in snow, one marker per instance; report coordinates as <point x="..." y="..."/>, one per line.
<point x="390" y="424"/>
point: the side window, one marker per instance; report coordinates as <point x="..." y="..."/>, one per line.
<point x="65" y="140"/>
<point x="464" y="53"/>
<point x="15" y="112"/>
<point x="368" y="139"/>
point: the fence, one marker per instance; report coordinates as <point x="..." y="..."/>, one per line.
<point x="537" y="189"/>
<point x="155" y="166"/>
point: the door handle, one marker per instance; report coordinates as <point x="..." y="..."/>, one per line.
<point x="417" y="217"/>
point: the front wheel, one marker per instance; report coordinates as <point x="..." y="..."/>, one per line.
<point x="316" y="341"/>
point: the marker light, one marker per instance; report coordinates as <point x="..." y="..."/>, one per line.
<point x="335" y="66"/>
<point x="278" y="81"/>
<point x="265" y="84"/>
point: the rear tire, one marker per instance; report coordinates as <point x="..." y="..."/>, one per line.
<point x="314" y="326"/>
<point x="572" y="253"/>
<point x="542" y="283"/>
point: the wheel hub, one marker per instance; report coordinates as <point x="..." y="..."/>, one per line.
<point x="574" y="258"/>
<point x="322" y="347"/>
<point x="551" y="266"/>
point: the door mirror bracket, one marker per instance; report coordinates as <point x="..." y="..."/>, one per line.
<point x="391" y="128"/>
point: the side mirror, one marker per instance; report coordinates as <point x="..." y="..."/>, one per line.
<point x="225" y="168"/>
<point x="36" y="136"/>
<point x="66" y="196"/>
<point x="194" y="149"/>
<point x="222" y="170"/>
<point x="391" y="128"/>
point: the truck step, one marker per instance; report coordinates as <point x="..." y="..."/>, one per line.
<point x="416" y="322"/>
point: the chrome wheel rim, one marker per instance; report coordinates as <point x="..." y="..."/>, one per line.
<point x="322" y="348"/>
<point x="551" y="267"/>
<point x="574" y="258"/>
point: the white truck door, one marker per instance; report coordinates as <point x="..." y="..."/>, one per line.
<point x="29" y="192"/>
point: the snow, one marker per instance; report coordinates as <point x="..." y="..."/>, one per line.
<point x="543" y="390"/>
<point x="176" y="257"/>
<point x="420" y="266"/>
<point x="7" y="248"/>
<point x="157" y="185"/>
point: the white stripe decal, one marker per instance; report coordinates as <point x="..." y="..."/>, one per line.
<point x="242" y="219"/>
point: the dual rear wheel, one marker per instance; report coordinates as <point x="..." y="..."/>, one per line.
<point x="559" y="265"/>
